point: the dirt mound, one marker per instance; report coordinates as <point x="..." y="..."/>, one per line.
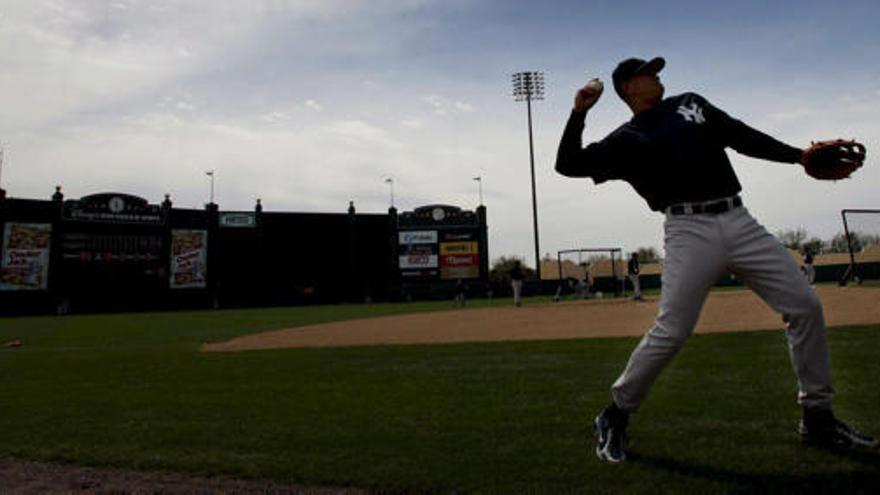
<point x="730" y="311"/>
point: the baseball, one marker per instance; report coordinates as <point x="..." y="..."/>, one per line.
<point x="595" y="85"/>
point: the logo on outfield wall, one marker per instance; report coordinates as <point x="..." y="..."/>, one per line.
<point x="418" y="261"/>
<point x="245" y="220"/>
<point x="113" y="208"/>
<point x="459" y="248"/>
<point x="418" y="237"/>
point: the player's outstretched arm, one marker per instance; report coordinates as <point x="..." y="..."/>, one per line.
<point x="749" y="141"/>
<point x="596" y="160"/>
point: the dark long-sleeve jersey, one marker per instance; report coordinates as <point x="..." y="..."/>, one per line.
<point x="633" y="266"/>
<point x="672" y="153"/>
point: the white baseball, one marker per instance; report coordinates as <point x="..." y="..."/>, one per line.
<point x="595" y="85"/>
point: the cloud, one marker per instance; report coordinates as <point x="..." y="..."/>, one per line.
<point x="274" y="117"/>
<point x="441" y="104"/>
<point x="464" y="107"/>
<point x="154" y="121"/>
<point x="412" y="123"/>
<point x="796" y="114"/>
<point x="371" y="85"/>
<point x="358" y="132"/>
<point x="102" y="55"/>
<point x="185" y="106"/>
<point x="314" y="105"/>
<point x="438" y="103"/>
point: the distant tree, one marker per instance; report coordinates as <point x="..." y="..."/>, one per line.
<point x="815" y="245"/>
<point x="647" y="255"/>
<point x="838" y="243"/>
<point x="870" y="240"/>
<point x="792" y="239"/>
<point x="500" y="271"/>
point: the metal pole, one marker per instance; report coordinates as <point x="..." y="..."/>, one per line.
<point x="559" y="264"/>
<point x="851" y="272"/>
<point x="390" y="182"/>
<point x="211" y="174"/>
<point x="534" y="194"/>
<point x="480" y="185"/>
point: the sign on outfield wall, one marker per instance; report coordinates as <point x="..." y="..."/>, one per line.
<point x="238" y="220"/>
<point x="418" y="237"/>
<point x="417" y="251"/>
<point x="418" y="256"/>
<point x="25" y="256"/>
<point x="459" y="256"/>
<point x="113" y="208"/>
<point x="189" y="259"/>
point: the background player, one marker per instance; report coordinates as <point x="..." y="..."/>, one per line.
<point x="672" y="152"/>
<point x="632" y="271"/>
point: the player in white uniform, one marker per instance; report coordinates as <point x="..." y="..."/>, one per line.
<point x="672" y="152"/>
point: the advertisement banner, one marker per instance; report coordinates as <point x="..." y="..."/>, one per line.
<point x="460" y="260"/>
<point x="459" y="256"/>
<point x="238" y="220"/>
<point x="25" y="263"/>
<point x="459" y="248"/>
<point x="418" y="257"/>
<point x="189" y="259"/>
<point x="459" y="236"/>
<point x="417" y="252"/>
<point x="417" y="237"/>
<point x="455" y="266"/>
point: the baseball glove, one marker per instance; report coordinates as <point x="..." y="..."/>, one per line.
<point x="833" y="160"/>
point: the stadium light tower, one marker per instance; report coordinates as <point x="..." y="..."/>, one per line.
<point x="529" y="86"/>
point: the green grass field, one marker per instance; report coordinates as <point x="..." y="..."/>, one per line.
<point x="133" y="391"/>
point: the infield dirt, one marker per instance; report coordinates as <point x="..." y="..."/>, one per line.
<point x="724" y="311"/>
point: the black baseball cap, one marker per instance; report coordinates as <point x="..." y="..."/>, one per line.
<point x="632" y="67"/>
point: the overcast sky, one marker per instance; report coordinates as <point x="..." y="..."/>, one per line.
<point x="309" y="104"/>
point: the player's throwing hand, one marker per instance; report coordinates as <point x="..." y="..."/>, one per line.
<point x="587" y="96"/>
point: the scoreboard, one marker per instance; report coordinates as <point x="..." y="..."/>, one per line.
<point x="442" y="242"/>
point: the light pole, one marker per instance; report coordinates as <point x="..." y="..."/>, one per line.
<point x="390" y="182"/>
<point x="480" y="185"/>
<point x="210" y="173"/>
<point x="2" y="192"/>
<point x="529" y="86"/>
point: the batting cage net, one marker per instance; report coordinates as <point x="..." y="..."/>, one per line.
<point x="584" y="271"/>
<point x="861" y="237"/>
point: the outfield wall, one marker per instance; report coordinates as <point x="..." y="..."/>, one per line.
<point x="115" y="252"/>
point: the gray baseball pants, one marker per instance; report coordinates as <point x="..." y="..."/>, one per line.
<point x="699" y="250"/>
<point x="517" y="291"/>
<point x="637" y="287"/>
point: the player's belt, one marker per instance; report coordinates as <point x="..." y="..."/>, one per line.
<point x="710" y="207"/>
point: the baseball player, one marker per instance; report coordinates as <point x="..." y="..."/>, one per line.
<point x="672" y="152"/>
<point x="809" y="269"/>
<point x="632" y="271"/>
<point x="516" y="282"/>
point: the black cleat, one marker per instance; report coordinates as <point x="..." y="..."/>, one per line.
<point x="611" y="435"/>
<point x="822" y="429"/>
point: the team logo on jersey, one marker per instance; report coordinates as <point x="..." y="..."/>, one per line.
<point x="693" y="113"/>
